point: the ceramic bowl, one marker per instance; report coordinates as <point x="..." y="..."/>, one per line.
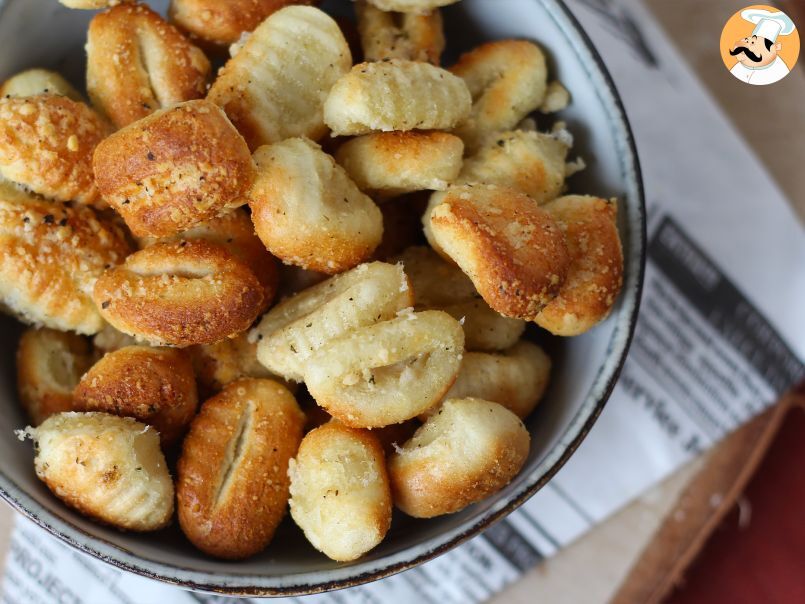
<point x="42" y="33"/>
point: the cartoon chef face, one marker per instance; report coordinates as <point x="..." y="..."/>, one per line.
<point x="755" y="51"/>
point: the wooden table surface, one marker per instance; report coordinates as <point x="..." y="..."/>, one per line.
<point x="605" y="556"/>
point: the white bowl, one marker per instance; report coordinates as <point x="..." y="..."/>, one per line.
<point x="42" y="33"/>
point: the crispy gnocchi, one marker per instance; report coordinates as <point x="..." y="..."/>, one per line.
<point x="512" y="250"/>
<point x="153" y="385"/>
<point x="46" y="145"/>
<point x="595" y="274"/>
<point x="173" y="169"/>
<point x="274" y="87"/>
<point x="406" y="35"/>
<point x="308" y="212"/>
<point x="466" y="451"/>
<point x="50" y="258"/>
<point x="396" y="95"/>
<point x="340" y="495"/>
<point x="394" y="163"/>
<point x="291" y="332"/>
<point x="232" y="484"/>
<point x="137" y="63"/>
<point x="507" y="80"/>
<point x="439" y="285"/>
<point x="515" y="378"/>
<point x="223" y="23"/>
<point x="235" y="232"/>
<point x="109" y="468"/>
<point x="255" y="235"/>
<point x="33" y="82"/>
<point x="530" y="162"/>
<point x="49" y="365"/>
<point x="388" y="372"/>
<point x="180" y="294"/>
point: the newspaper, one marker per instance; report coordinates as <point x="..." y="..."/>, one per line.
<point x="721" y="335"/>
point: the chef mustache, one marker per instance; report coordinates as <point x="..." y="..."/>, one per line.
<point x="743" y="49"/>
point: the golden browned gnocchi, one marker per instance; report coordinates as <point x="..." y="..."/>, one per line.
<point x="507" y="80"/>
<point x="46" y="145"/>
<point x="50" y="257"/>
<point x="513" y="251"/>
<point x="439" y="285"/>
<point x="49" y="365"/>
<point x="222" y="23"/>
<point x="137" y="63"/>
<point x="180" y="294"/>
<point x="410" y="6"/>
<point x="109" y="468"/>
<point x="390" y="35"/>
<point x="595" y="275"/>
<point x="515" y="378"/>
<point x="291" y="332"/>
<point x="32" y="82"/>
<point x="530" y="162"/>
<point x="466" y="451"/>
<point x="396" y="95"/>
<point x="393" y="163"/>
<point x="388" y="372"/>
<point x="235" y="232"/>
<point x="340" y="495"/>
<point x="308" y="212"/>
<point x="173" y="169"/>
<point x="274" y="87"/>
<point x="153" y="385"/>
<point x="232" y="484"/>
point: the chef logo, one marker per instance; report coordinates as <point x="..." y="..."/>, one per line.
<point x="760" y="45"/>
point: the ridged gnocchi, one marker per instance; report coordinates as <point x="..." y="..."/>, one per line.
<point x="109" y="468"/>
<point x="308" y="212"/>
<point x="274" y="87"/>
<point x="388" y="372"/>
<point x="396" y="95"/>
<point x="291" y="332"/>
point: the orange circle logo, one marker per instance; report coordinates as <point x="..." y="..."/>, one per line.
<point x="760" y="45"/>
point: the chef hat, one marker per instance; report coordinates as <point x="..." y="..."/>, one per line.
<point x="769" y="24"/>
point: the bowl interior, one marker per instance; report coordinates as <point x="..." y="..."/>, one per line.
<point x="42" y="33"/>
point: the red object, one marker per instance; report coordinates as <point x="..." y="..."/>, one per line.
<point x="763" y="561"/>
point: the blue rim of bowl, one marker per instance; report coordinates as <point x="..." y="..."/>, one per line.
<point x="580" y="425"/>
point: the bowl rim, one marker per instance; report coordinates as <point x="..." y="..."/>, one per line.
<point x="580" y="425"/>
